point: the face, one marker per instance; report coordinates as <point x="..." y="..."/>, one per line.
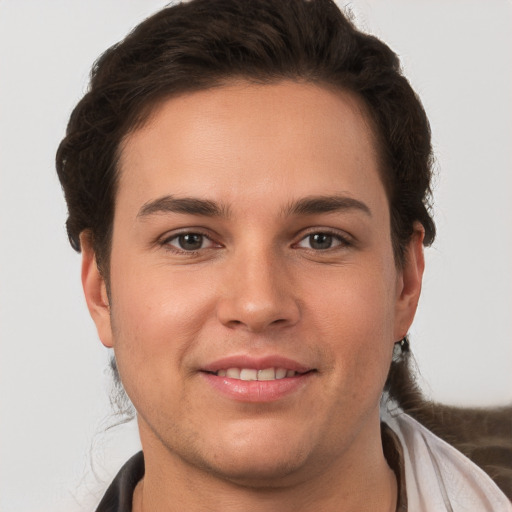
<point x="254" y="298"/>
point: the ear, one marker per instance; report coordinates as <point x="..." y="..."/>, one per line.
<point x="95" y="291"/>
<point x="409" y="283"/>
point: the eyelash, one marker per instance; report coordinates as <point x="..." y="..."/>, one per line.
<point x="343" y="241"/>
<point x="166" y="242"/>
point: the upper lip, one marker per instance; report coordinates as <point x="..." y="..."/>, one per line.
<point x="256" y="363"/>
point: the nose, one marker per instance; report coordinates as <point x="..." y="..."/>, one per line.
<point x="258" y="294"/>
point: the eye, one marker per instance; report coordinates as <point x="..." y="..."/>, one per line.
<point x="321" y="241"/>
<point x="189" y="242"/>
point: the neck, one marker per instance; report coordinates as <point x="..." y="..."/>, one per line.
<point x="360" y="481"/>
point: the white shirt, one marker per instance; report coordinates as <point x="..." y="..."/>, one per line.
<point x="438" y="478"/>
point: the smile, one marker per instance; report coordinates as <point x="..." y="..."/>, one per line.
<point x="248" y="374"/>
<point x="249" y="379"/>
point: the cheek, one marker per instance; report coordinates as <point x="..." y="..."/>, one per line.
<point x="156" y="318"/>
<point x="353" y="298"/>
<point x="154" y="298"/>
<point x="354" y="315"/>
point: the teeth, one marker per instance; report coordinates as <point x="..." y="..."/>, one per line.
<point x="233" y="373"/>
<point x="252" y="374"/>
<point x="280" y="373"/>
<point x="246" y="374"/>
<point x="267" y="374"/>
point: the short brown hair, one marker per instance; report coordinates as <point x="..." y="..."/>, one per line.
<point x="203" y="43"/>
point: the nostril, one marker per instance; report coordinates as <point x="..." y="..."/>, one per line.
<point x="257" y="312"/>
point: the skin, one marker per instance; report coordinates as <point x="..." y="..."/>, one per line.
<point x="257" y="285"/>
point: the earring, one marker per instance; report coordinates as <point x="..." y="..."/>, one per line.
<point x="404" y="344"/>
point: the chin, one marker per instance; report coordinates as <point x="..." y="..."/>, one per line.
<point x="259" y="459"/>
<point x="265" y="471"/>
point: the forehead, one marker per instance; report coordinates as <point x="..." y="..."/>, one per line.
<point x="242" y="141"/>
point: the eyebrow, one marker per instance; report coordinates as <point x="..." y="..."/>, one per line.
<point x="312" y="205"/>
<point x="186" y="205"/>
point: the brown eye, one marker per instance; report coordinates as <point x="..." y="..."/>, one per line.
<point x="188" y="241"/>
<point x="322" y="241"/>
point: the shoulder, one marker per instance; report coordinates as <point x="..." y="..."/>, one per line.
<point x="437" y="476"/>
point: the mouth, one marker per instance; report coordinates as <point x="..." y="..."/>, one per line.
<point x="249" y="379"/>
<point x="251" y="374"/>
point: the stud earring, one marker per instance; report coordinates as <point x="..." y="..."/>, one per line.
<point x="404" y="344"/>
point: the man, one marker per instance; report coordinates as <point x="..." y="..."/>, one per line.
<point x="248" y="184"/>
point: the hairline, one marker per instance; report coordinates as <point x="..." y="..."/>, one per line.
<point x="149" y="108"/>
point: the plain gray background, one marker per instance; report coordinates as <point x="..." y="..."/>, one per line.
<point x="54" y="452"/>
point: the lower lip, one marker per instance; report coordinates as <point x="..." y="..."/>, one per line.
<point x="257" y="390"/>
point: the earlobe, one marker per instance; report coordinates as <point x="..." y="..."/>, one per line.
<point x="409" y="289"/>
<point x="95" y="291"/>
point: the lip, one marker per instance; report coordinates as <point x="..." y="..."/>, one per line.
<point x="257" y="363"/>
<point x="257" y="391"/>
